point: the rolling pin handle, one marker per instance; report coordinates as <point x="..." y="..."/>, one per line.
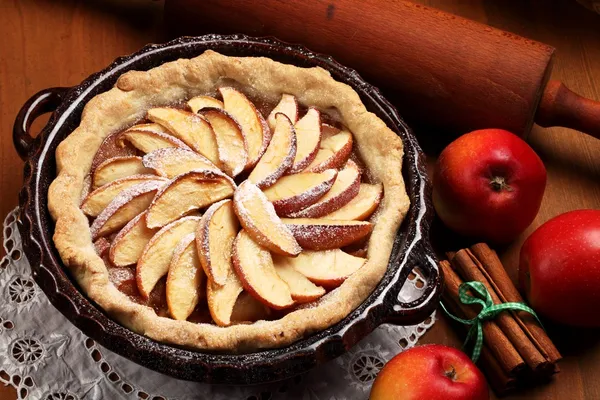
<point x="560" y="106"/>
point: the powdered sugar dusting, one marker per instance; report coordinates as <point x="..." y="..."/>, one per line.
<point x="203" y="239"/>
<point x="172" y="140"/>
<point x="230" y="140"/>
<point x="344" y="189"/>
<point x="320" y="234"/>
<point x="271" y="165"/>
<point x="123" y="198"/>
<point x="161" y="158"/>
<point x="288" y="205"/>
<point x="262" y="218"/>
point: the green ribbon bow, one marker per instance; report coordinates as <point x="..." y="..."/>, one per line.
<point x="489" y="311"/>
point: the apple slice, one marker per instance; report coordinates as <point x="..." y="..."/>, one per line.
<point x="254" y="267"/>
<point x="301" y="288"/>
<point x="249" y="310"/>
<point x="170" y="162"/>
<point x="288" y="105"/>
<point x="124" y="280"/>
<point x="184" y="279"/>
<point x="292" y="193"/>
<point x="149" y="137"/>
<point x="189" y="128"/>
<point x="278" y="157"/>
<point x="329" y="268"/>
<point x="199" y="102"/>
<point x="230" y="140"/>
<point x="214" y="240"/>
<point x="102" y="246"/>
<point x="129" y="203"/>
<point x="156" y="256"/>
<point x="255" y="128"/>
<point x="222" y="299"/>
<point x="258" y="217"/>
<point x="362" y="206"/>
<point x="128" y="245"/>
<point x="324" y="234"/>
<point x="118" y="167"/>
<point x="111" y="148"/>
<point x="333" y="152"/>
<point x="344" y="189"/>
<point x="100" y="198"/>
<point x="308" y="136"/>
<point x="358" y="249"/>
<point x="188" y="192"/>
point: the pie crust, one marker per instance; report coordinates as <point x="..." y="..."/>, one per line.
<point x="134" y="93"/>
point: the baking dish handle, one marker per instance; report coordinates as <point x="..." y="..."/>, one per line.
<point x="412" y="312"/>
<point x="40" y="103"/>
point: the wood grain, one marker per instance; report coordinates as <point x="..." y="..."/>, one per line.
<point x="58" y="43"/>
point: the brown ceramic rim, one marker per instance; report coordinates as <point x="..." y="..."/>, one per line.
<point x="411" y="246"/>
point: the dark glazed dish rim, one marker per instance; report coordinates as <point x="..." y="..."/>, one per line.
<point x="384" y="305"/>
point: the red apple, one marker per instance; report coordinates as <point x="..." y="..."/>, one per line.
<point x="488" y="184"/>
<point x="430" y="372"/>
<point x="559" y="270"/>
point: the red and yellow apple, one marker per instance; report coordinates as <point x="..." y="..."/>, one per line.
<point x="559" y="269"/>
<point x="488" y="184"/>
<point x="430" y="372"/>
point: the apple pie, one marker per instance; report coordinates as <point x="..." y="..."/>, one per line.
<point x="228" y="204"/>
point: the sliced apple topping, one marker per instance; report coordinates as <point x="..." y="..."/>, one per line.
<point x="301" y="288"/>
<point x="279" y="155"/>
<point x="102" y="246"/>
<point x="214" y="240"/>
<point x="100" y="198"/>
<point x="333" y="152"/>
<point x="156" y="256"/>
<point x="184" y="279"/>
<point x="308" y="136"/>
<point x="118" y="167"/>
<point x="123" y="208"/>
<point x="344" y="189"/>
<point x="230" y="140"/>
<point x="199" y="102"/>
<point x="254" y="267"/>
<point x="149" y="137"/>
<point x="221" y="299"/>
<point x="329" y="268"/>
<point x="292" y="193"/>
<point x="288" y="105"/>
<point x="189" y="128"/>
<point x="248" y="310"/>
<point x="124" y="280"/>
<point x="324" y="234"/>
<point x="128" y="245"/>
<point x="170" y="162"/>
<point x="255" y="128"/>
<point x="362" y="206"/>
<point x="188" y="192"/>
<point x="257" y="215"/>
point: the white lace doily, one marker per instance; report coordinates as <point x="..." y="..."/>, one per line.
<point x="45" y="357"/>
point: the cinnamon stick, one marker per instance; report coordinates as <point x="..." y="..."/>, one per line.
<point x="500" y="381"/>
<point x="467" y="265"/>
<point x="502" y="349"/>
<point x="508" y="293"/>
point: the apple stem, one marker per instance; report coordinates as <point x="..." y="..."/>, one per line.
<point x="499" y="184"/>
<point x="451" y="373"/>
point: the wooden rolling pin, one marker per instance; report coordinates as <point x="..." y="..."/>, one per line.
<point x="441" y="71"/>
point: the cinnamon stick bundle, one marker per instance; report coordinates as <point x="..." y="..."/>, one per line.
<point x="498" y="276"/>
<point x="507" y="355"/>
<point x="499" y="379"/>
<point x="511" y="331"/>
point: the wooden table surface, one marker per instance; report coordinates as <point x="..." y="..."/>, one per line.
<point x="59" y="43"/>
